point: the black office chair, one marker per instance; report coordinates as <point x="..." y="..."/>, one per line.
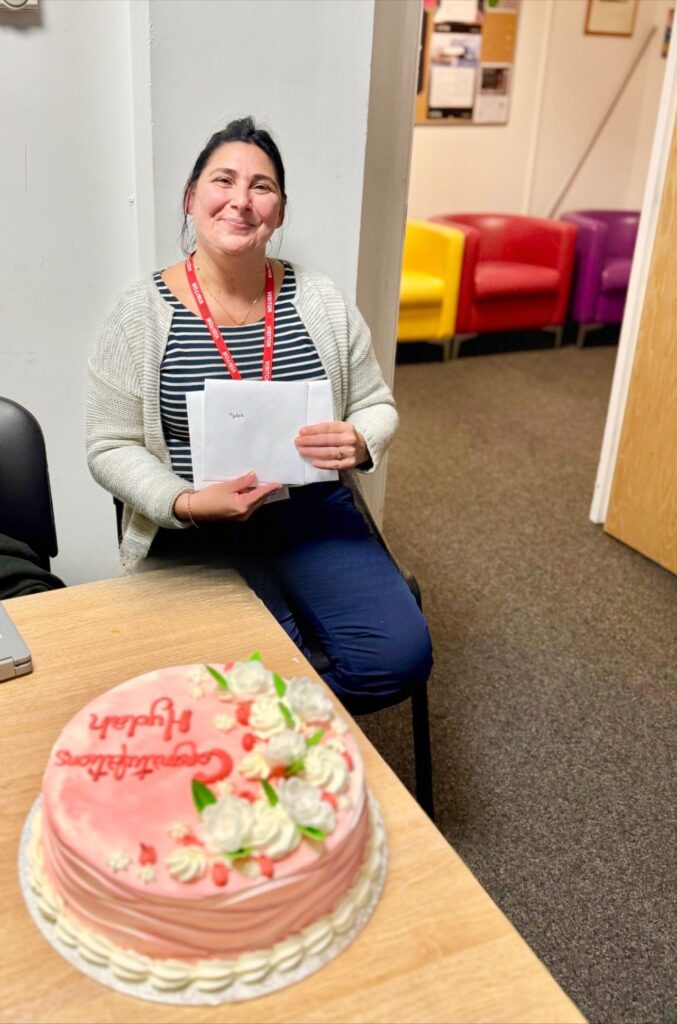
<point x="420" y="718"/>
<point x="26" y="512"/>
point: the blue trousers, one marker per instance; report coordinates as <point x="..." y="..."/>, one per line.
<point x="315" y="565"/>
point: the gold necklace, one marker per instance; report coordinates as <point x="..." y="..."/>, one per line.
<point x="239" y="323"/>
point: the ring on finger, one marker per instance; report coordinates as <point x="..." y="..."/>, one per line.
<point x="339" y="454"/>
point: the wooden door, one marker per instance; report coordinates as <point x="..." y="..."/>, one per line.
<point x="643" y="503"/>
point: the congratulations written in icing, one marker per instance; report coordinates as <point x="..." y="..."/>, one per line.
<point x="162" y="715"/>
<point x="118" y="765"/>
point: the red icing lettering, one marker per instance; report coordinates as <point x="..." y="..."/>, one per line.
<point x="223" y="769"/>
<point x="118" y="764"/>
<point x="248" y="741"/>
<point x="147" y="854"/>
<point x="160" y="715"/>
<point x="348" y="760"/>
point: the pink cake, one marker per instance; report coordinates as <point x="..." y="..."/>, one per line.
<point x="201" y="824"/>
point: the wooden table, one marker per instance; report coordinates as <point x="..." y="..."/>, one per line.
<point x="437" y="947"/>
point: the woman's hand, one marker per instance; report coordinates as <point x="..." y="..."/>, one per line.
<point x="234" y="499"/>
<point x="332" y="445"/>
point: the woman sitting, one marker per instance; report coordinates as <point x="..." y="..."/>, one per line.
<point x="311" y="558"/>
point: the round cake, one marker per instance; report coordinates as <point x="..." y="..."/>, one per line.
<point x="204" y="824"/>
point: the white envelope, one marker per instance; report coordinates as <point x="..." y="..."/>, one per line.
<point x="243" y="425"/>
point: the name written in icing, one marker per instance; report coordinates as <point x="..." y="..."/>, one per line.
<point x="161" y="715"/>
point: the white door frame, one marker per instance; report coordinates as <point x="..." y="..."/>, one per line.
<point x="627" y="343"/>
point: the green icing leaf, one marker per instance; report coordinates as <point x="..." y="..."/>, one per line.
<point x="273" y="798"/>
<point x="295" y="767"/>
<point x="256" y="656"/>
<point x="221" y="680"/>
<point x="202" y="795"/>
<point x="316" y="737"/>
<point x="313" y="833"/>
<point x="286" y="714"/>
<point x="280" y="685"/>
<point x="240" y="854"/>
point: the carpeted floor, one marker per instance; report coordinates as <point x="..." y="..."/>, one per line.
<point x="552" y="696"/>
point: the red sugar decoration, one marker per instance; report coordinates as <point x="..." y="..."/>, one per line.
<point x="147" y="855"/>
<point x="330" y="799"/>
<point x="348" y="760"/>
<point x="243" y="712"/>
<point x="219" y="873"/>
<point x="247" y="794"/>
<point x="191" y="840"/>
<point x="266" y="865"/>
<point x="248" y="741"/>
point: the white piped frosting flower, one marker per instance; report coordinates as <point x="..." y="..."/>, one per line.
<point x="198" y="674"/>
<point x="147" y="874"/>
<point x="119" y="861"/>
<point x="326" y="768"/>
<point x="308" y="700"/>
<point x="187" y="863"/>
<point x="249" y="679"/>
<point x="227" y="824"/>
<point x="178" y="830"/>
<point x="284" y="748"/>
<point x="266" y="717"/>
<point x="197" y="691"/>
<point x="304" y="805"/>
<point x="225" y="721"/>
<point x="254" y="765"/>
<point x="274" y="832"/>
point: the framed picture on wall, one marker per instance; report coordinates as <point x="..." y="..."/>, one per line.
<point x="610" y="17"/>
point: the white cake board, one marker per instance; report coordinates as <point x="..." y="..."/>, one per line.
<point x="238" y="990"/>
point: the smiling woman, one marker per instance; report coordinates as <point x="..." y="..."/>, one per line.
<point x="228" y="311"/>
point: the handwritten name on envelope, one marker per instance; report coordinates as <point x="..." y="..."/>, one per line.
<point x="236" y="426"/>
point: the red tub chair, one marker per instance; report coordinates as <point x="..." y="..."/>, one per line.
<point x="517" y="273"/>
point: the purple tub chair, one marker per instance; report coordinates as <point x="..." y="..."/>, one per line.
<point x="604" y="248"/>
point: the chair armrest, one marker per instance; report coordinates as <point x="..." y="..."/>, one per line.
<point x="471" y="251"/>
<point x="437" y="250"/>
<point x="590" y="249"/>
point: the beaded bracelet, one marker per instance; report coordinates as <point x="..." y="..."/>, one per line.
<point x="190" y="514"/>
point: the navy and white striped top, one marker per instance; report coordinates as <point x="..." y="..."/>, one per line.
<point x="191" y="356"/>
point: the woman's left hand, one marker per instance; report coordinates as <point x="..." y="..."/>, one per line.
<point x="332" y="445"/>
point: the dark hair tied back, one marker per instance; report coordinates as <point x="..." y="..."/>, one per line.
<point x="243" y="129"/>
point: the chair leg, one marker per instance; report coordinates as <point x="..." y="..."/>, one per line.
<point x="558" y="331"/>
<point x="422" y="754"/>
<point x="458" y="340"/>
<point x="583" y="331"/>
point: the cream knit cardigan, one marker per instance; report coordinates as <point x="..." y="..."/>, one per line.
<point x="126" y="449"/>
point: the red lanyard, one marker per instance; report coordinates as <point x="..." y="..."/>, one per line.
<point x="217" y="337"/>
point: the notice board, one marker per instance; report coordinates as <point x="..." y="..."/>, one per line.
<point x="466" y="61"/>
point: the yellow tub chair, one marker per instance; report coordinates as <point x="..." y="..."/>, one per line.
<point x="431" y="275"/>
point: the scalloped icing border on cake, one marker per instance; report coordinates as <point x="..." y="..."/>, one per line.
<point x="209" y="975"/>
